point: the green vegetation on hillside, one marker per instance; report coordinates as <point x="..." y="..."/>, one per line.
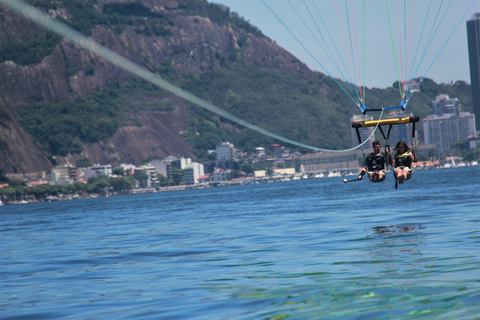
<point x="58" y="128"/>
<point x="272" y="99"/>
<point x="30" y="52"/>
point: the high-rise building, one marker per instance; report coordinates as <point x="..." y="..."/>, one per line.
<point x="443" y="131"/>
<point x="447" y="125"/>
<point x="444" y="105"/>
<point x="225" y="151"/>
<point x="473" y="36"/>
<point x="364" y="132"/>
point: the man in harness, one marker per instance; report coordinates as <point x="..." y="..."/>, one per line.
<point x="376" y="162"/>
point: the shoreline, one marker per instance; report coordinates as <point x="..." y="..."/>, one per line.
<point x="269" y="179"/>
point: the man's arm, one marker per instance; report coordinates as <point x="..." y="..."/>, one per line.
<point x="389" y="156"/>
<point x="362" y="173"/>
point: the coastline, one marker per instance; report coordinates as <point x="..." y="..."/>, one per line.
<point x="266" y="179"/>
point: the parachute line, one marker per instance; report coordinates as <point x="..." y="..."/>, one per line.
<point x="306" y="49"/>
<point x="354" y="93"/>
<point x="336" y="50"/>
<point x="431" y="36"/>
<point x="331" y="56"/>
<point x="448" y="39"/>
<point x="393" y="45"/>
<point x="420" y="39"/>
<point x="364" y="19"/>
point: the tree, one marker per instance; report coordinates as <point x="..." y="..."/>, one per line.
<point x="84" y="163"/>
<point x="235" y="174"/>
<point x="121" y="184"/>
<point x="247" y="167"/>
<point x="177" y="175"/>
<point x="99" y="186"/>
<point x="163" y="180"/>
<point x="118" y="171"/>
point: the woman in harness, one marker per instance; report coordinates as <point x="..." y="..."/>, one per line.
<point x="402" y="162"/>
<point x="375" y="163"/>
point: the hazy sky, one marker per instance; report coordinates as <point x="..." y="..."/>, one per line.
<point x="414" y="51"/>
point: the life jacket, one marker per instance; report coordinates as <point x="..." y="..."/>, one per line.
<point x="403" y="160"/>
<point x="375" y="162"/>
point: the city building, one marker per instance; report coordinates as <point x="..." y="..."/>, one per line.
<point x="193" y="172"/>
<point x="424" y="152"/>
<point x="444" y="105"/>
<point x="105" y="170"/>
<point x="64" y="174"/>
<point x="286" y="171"/>
<point x="127" y="168"/>
<point x="445" y="130"/>
<point x="473" y="38"/>
<point x="364" y="132"/>
<point x="260" y="151"/>
<point x="331" y="161"/>
<point x="225" y="156"/>
<point x="225" y="151"/>
<point x="160" y="166"/>
<point x="473" y="142"/>
<point x="220" y="174"/>
<point x="260" y="173"/>
<point x="146" y="176"/>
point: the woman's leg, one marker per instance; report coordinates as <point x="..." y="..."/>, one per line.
<point x="400" y="175"/>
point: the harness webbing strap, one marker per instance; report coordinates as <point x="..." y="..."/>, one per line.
<point x="381" y="131"/>
<point x="358" y="136"/>
<point x="390" y="129"/>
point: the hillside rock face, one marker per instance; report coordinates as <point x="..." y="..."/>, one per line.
<point x="18" y="152"/>
<point x="195" y="46"/>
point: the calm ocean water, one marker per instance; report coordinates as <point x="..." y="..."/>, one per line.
<point x="311" y="249"/>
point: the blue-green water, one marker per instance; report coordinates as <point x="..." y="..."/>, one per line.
<point x="311" y="249"/>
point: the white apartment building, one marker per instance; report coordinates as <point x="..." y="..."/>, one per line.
<point x="193" y="171"/>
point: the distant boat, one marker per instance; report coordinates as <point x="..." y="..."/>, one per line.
<point x="1" y="203"/>
<point x="450" y="164"/>
<point x="332" y="174"/>
<point x="453" y="164"/>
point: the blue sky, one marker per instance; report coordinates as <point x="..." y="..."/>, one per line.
<point x="379" y="67"/>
